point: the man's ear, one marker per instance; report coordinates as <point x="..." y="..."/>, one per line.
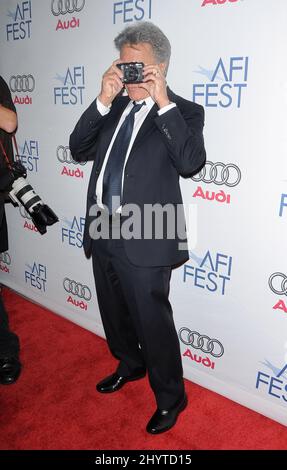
<point x="163" y="68"/>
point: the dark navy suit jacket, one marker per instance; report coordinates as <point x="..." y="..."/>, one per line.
<point x="165" y="147"/>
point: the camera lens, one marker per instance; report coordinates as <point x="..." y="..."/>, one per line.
<point x="132" y="74"/>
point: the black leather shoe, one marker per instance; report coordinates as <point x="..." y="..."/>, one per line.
<point x="10" y="369"/>
<point x="114" y="382"/>
<point x="163" y="420"/>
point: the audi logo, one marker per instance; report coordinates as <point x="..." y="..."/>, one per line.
<point x="202" y="342"/>
<point x="78" y="289"/>
<point x="5" y="258"/>
<point x="64" y="156"/>
<point x="219" y="173"/>
<point x="279" y="285"/>
<point x="24" y="83"/>
<point x="61" y="7"/>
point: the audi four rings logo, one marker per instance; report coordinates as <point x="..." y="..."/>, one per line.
<point x="202" y="342"/>
<point x="278" y="283"/>
<point x="61" y="7"/>
<point x="24" y="213"/>
<point x="24" y="83"/>
<point x="5" y="258"/>
<point x="78" y="289"/>
<point x="219" y="173"/>
<point x="64" y="156"/>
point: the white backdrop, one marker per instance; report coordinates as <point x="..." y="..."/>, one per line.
<point x="229" y="299"/>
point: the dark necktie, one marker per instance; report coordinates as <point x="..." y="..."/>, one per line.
<point x="112" y="182"/>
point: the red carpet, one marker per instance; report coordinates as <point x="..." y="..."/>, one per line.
<point x="54" y="405"/>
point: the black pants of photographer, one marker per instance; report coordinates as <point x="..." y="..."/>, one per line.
<point x="9" y="342"/>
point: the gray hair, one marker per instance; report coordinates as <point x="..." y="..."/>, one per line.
<point x="145" y="31"/>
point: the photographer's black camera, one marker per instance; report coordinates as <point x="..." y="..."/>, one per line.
<point x="133" y="72"/>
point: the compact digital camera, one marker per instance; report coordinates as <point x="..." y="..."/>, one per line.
<point x="133" y="72"/>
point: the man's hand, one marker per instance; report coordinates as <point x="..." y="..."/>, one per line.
<point x="9" y="175"/>
<point x="111" y="84"/>
<point x="18" y="170"/>
<point x="155" y="83"/>
<point x="6" y="179"/>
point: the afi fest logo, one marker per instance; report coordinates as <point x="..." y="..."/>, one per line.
<point x="283" y="204"/>
<point x="29" y="155"/>
<point x="67" y="8"/>
<point x="79" y="293"/>
<point x="5" y="261"/>
<point x="212" y="272"/>
<point x="218" y="2"/>
<point x="36" y="276"/>
<point x="20" y="27"/>
<point x="219" y="174"/>
<point x="72" y="234"/>
<point x="22" y="85"/>
<point x="73" y="85"/>
<point x="203" y="343"/>
<point x="273" y="384"/>
<point x="132" y="10"/>
<point x="226" y="84"/>
<point x="68" y="164"/>
<point x="278" y="284"/>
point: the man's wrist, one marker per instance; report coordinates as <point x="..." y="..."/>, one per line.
<point x="162" y="103"/>
<point x="104" y="100"/>
<point x="166" y="108"/>
<point x="102" y="108"/>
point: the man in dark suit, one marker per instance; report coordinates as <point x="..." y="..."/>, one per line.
<point x="140" y="144"/>
<point x="10" y="366"/>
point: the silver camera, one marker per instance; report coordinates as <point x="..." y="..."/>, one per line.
<point x="133" y="72"/>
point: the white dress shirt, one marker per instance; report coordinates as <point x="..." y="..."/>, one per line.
<point x="139" y="119"/>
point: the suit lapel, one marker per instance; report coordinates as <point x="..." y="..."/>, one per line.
<point x="108" y="131"/>
<point x="111" y="124"/>
<point x="147" y="127"/>
<point x="116" y="112"/>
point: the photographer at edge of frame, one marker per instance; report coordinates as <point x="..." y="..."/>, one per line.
<point x="10" y="366"/>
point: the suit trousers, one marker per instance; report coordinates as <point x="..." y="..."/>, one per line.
<point x="138" y="319"/>
<point x="9" y="342"/>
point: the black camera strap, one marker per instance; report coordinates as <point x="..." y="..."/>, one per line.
<point x="4" y="151"/>
<point x="5" y="154"/>
<point x="15" y="145"/>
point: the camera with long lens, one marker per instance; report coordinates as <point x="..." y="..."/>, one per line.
<point x="23" y="193"/>
<point x="133" y="72"/>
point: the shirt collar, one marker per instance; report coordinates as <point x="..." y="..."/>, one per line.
<point x="148" y="101"/>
